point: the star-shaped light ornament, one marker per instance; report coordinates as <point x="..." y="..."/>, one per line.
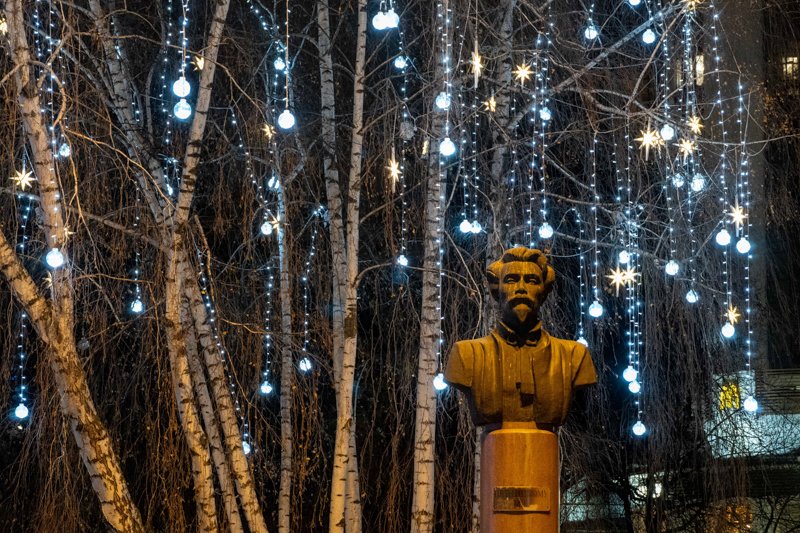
<point x="67" y="233"/>
<point x="695" y="126"/>
<point x="523" y="72"/>
<point x="686" y="148"/>
<point x="732" y="314"/>
<point x="649" y="139"/>
<point x="738" y="216"/>
<point x="394" y="172"/>
<point x="3" y="26"/>
<point x="269" y="131"/>
<point x="490" y="104"/>
<point x="477" y="66"/>
<point x="23" y="179"/>
<point x="620" y="277"/>
<point x="691" y="5"/>
<point x="198" y="62"/>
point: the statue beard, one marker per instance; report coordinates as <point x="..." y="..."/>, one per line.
<point x="521" y="314"/>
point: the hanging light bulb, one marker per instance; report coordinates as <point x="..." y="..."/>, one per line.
<point x="596" y="309"/>
<point x="728" y="330"/>
<point x="750" y="404"/>
<point x="279" y="64"/>
<point x="634" y="386"/>
<point x="64" y="150"/>
<point x="723" y="238"/>
<point x="634" y="3"/>
<point x="672" y="267"/>
<point x="392" y="19"/>
<point x="582" y="340"/>
<point x="743" y="245"/>
<point x="439" y="382"/>
<point x="181" y="87"/>
<point x="304" y="364"/>
<point x="678" y="180"/>
<point x="182" y="109"/>
<point x="639" y="429"/>
<point x="667" y="131"/>
<point x="137" y="306"/>
<point x="402" y="260"/>
<point x="698" y="182"/>
<point x="590" y="32"/>
<point x="476" y="227"/>
<point x="692" y="296"/>
<point x="266" y="228"/>
<point x="545" y="231"/>
<point x="21" y="411"/>
<point x="447" y="147"/>
<point x="624" y="257"/>
<point x="379" y="21"/>
<point x="465" y="226"/>
<point x="54" y="258"/>
<point x="649" y="37"/>
<point x="400" y="62"/>
<point x="442" y="101"/>
<point x="246" y="447"/>
<point x="286" y="120"/>
<point x="630" y="374"/>
<point x="274" y="183"/>
<point x="545" y="114"/>
<point x="265" y="387"/>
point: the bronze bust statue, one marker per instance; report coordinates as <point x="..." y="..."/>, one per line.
<point x="519" y="373"/>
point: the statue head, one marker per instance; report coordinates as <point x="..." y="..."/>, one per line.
<point x="520" y="282"/>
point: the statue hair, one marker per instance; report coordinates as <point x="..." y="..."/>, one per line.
<point x="520" y="253"/>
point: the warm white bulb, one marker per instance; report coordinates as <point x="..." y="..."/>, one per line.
<point x="639" y="429"/>
<point x="402" y="260"/>
<point x="591" y="33"/>
<point x="442" y="101"/>
<point x="692" y="296"/>
<point x="649" y="37"/>
<point x="634" y="386"/>
<point x="630" y="374"/>
<point x="379" y="21"/>
<point x="545" y="114"/>
<point x="304" y="364"/>
<point x="678" y="180"/>
<point x="596" y="309"/>
<point x="392" y="19"/>
<point x="137" y="306"/>
<point x="447" y="147"/>
<point x="750" y="404"/>
<point x="728" y="330"/>
<point x="698" y="183"/>
<point x="279" y="64"/>
<point x="64" y="150"/>
<point x="266" y="228"/>
<point x="181" y="87"/>
<point x="465" y="226"/>
<point x="582" y="340"/>
<point x="667" y="131"/>
<point x="21" y="411"/>
<point x="723" y="238"/>
<point x="439" y="382"/>
<point x="246" y="447"/>
<point x="54" y="258"/>
<point x="400" y="62"/>
<point x="545" y="231"/>
<point x="265" y="387"/>
<point x="624" y="257"/>
<point x="182" y="109"/>
<point x="286" y="120"/>
<point x="476" y="227"/>
<point x="672" y="267"/>
<point x="743" y="245"/>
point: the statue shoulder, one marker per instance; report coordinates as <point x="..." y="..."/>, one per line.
<point x="573" y="347"/>
<point x="471" y="345"/>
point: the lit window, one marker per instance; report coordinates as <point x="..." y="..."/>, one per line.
<point x="791" y="66"/>
<point x="729" y="396"/>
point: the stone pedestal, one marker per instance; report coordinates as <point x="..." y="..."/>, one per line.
<point x="519" y="480"/>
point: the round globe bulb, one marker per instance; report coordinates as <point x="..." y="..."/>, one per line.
<point x="634" y="3"/>
<point x="447" y="147"/>
<point x="476" y="227"/>
<point x="639" y="429"/>
<point x="629" y="374"/>
<point x="181" y="87"/>
<point x="465" y="226"/>
<point x="743" y="245"/>
<point x="182" y="109"/>
<point x="649" y="37"/>
<point x="400" y="62"/>
<point x="442" y="101"/>
<point x="678" y="180"/>
<point x="634" y="386"/>
<point x="392" y="19"/>
<point x="439" y="382"/>
<point x="246" y="447"/>
<point x="698" y="183"/>
<point x="286" y="120"/>
<point x="21" y="411"/>
<point x="64" y="150"/>
<point x="667" y="131"/>
<point x="54" y="258"/>
<point x="304" y="364"/>
<point x="596" y="309"/>
<point x="624" y="257"/>
<point x="265" y="388"/>
<point x="591" y="33"/>
<point x="692" y="296"/>
<point x="582" y="340"/>
<point x="379" y="21"/>
<point x="672" y="267"/>
<point x="402" y="260"/>
<point x="137" y="306"/>
<point x="723" y="238"/>
<point x="545" y="114"/>
<point x="545" y="231"/>
<point x="728" y="330"/>
<point x="750" y="404"/>
<point x="279" y="64"/>
<point x="266" y="228"/>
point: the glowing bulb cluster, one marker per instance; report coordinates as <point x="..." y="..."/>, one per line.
<point x="466" y="226"/>
<point x="386" y="20"/>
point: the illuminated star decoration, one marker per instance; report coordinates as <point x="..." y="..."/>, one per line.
<point x="490" y="104"/>
<point x="650" y="139"/>
<point x="737" y="215"/>
<point x="477" y="66"/>
<point x="621" y="277"/>
<point x="732" y="314"/>
<point x="23" y="180"/>
<point x="691" y="5"/>
<point x="523" y="72"/>
<point x="695" y="125"/>
<point x="3" y="26"/>
<point x="686" y="148"/>
<point x="269" y="131"/>
<point x="394" y="172"/>
<point x="199" y="62"/>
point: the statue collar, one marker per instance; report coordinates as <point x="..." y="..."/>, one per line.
<point x="531" y="338"/>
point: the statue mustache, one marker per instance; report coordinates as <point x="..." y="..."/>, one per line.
<point x="520" y="300"/>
